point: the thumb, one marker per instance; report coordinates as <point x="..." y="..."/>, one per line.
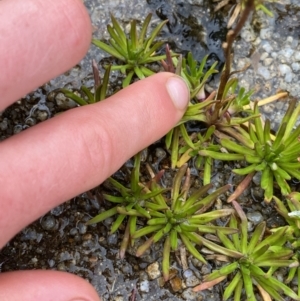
<point x="45" y="286"/>
<point x="75" y="151"/>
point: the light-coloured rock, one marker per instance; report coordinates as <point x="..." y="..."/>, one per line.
<point x="153" y="270"/>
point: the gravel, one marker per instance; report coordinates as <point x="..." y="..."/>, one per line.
<point x="274" y="55"/>
<point x="61" y="240"/>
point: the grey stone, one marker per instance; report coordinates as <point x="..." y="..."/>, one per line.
<point x="264" y="72"/>
<point x="255" y="217"/>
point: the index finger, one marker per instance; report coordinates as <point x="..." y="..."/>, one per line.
<point x="39" y="40"/>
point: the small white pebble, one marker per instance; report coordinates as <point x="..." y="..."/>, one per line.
<point x="144" y="286"/>
<point x="264" y="72"/>
<point x="295" y="67"/>
<point x="284" y="69"/>
<point x="268" y="61"/>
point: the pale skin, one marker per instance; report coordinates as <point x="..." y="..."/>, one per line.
<point x="38" y="169"/>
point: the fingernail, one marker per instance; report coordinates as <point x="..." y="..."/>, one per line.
<point x="178" y="91"/>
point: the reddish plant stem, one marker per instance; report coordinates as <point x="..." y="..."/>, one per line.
<point x="227" y="46"/>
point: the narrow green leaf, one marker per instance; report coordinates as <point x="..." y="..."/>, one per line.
<point x="226" y="241"/>
<point x="282" y="173"/>
<point x="269" y="190"/>
<point x="174" y="147"/>
<point x="209" y="132"/>
<point x="230" y="85"/>
<point x="278" y="238"/>
<point x="279" y="135"/>
<point x="232" y="286"/>
<point x="144" y="247"/>
<point x="224" y="271"/>
<point x="284" y="186"/>
<point x="127" y="80"/>
<point x="270" y="289"/>
<point x="154" y="213"/>
<point x="253" y="135"/>
<point x="196" y="196"/>
<point x="233" y="223"/>
<point x="277" y="253"/>
<point x="152" y="59"/>
<point x="207" y="217"/>
<point x="166" y="258"/>
<point x="253" y="159"/>
<point x="261" y="166"/>
<point x="279" y="286"/>
<point x="233" y="146"/>
<point x="114" y="199"/>
<point x="125" y="241"/>
<point x="110" y="50"/>
<point x="219" y="249"/>
<point x="260" y="252"/>
<point x="186" y="137"/>
<point x="155" y="207"/>
<point x="118" y="29"/>
<point x="275" y="263"/>
<point x="292" y="137"/>
<point x="291" y="275"/>
<point x="196" y="109"/>
<point x="104" y="86"/>
<point x="74" y="97"/>
<point x="177" y="181"/>
<point x="208" y="200"/>
<point x="173" y="240"/>
<point x="256" y="236"/>
<point x="133" y="36"/>
<point x="142" y="211"/>
<point x="214" y="229"/>
<point x="135" y="173"/>
<point x="221" y="156"/>
<point x="191" y="248"/>
<point x="169" y="137"/>
<point x="238" y="133"/>
<point x="121" y="188"/>
<point x="260" y="149"/>
<point x="117" y="223"/>
<point x="149" y="57"/>
<point x="144" y="29"/>
<point x="146" y="230"/>
<point x="248" y="284"/>
<point x="291" y="119"/>
<point x="258" y="126"/>
<point x="117" y="39"/>
<point x="289" y="165"/>
<point x="139" y="72"/>
<point x="89" y="94"/>
<point x="245" y="170"/>
<point x="132" y="224"/>
<point x="257" y="271"/>
<point x="157" y="221"/>
<point x="238" y="291"/>
<point x="207" y="170"/>
<point x="243" y="226"/>
<point x="102" y="216"/>
<point x="162" y="232"/>
<point x="131" y="212"/>
<point x="154" y="34"/>
<point x="266" y="178"/>
<point x="146" y="71"/>
<point x="267" y="131"/>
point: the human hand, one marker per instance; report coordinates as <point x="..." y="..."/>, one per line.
<point x="75" y="151"/>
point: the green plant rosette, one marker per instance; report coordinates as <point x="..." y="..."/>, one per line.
<point x="257" y="257"/>
<point x="135" y="50"/>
